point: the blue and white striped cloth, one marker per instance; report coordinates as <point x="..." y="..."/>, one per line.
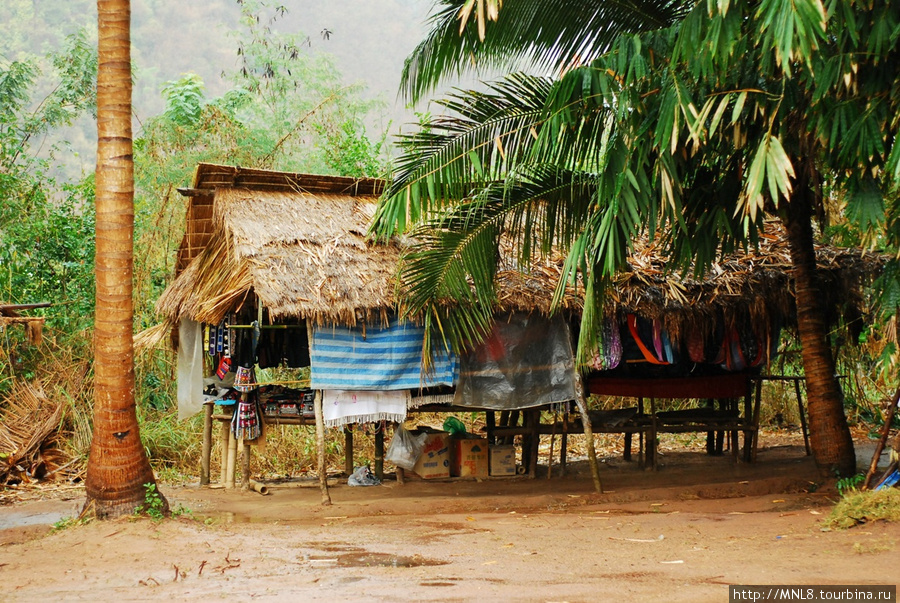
<point x="385" y="359"/>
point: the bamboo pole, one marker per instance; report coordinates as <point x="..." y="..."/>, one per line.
<point x="588" y="430"/>
<point x="224" y="430"/>
<point x="320" y="433"/>
<point x="207" y="444"/>
<point x="320" y="449"/>
<point x="232" y="458"/>
<point x="379" y="451"/>
<point x="245" y="466"/>
<point x="885" y="430"/>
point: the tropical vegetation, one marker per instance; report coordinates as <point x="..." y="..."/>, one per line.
<point x="690" y="123"/>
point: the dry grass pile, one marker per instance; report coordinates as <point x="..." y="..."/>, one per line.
<point x="29" y="436"/>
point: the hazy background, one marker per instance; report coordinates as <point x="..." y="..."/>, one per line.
<point x="369" y="40"/>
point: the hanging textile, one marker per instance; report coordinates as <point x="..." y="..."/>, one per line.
<point x="526" y="361"/>
<point x="609" y="354"/>
<point x="645" y="349"/>
<point x="245" y="423"/>
<point x="189" y="388"/>
<point x="342" y="407"/>
<point x="375" y="359"/>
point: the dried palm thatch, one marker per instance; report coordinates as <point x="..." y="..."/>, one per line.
<point x="754" y="285"/>
<point x="298" y="243"/>
<point x="28" y="434"/>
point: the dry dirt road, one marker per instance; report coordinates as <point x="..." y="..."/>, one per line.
<point x="683" y="533"/>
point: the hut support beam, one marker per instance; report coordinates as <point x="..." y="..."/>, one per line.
<point x="207" y="444"/>
<point x="588" y="431"/>
<point x="320" y="434"/>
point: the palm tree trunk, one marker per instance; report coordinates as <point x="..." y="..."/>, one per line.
<point x="832" y="445"/>
<point x="118" y="468"/>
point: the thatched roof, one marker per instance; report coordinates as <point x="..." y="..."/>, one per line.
<point x="756" y="284"/>
<point x="298" y="242"/>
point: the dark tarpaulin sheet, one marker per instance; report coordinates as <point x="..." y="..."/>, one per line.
<point x="526" y="361"/>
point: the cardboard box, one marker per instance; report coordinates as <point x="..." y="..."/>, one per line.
<point x="469" y="457"/>
<point x="434" y="462"/>
<point x="503" y="460"/>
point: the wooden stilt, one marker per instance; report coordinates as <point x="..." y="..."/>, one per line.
<point x="245" y="466"/>
<point x="320" y="448"/>
<point x="232" y="458"/>
<point x="224" y="430"/>
<point x="348" y="452"/>
<point x="490" y="422"/>
<point x="564" y="442"/>
<point x="800" y="410"/>
<point x="588" y="431"/>
<point x="320" y="434"/>
<point x="207" y="444"/>
<point x="379" y="451"/>
<point x="535" y="424"/>
<point x="550" y="455"/>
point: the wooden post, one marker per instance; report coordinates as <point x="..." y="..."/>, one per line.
<point x="564" y="442"/>
<point x="490" y="422"/>
<point x="348" y="452"/>
<point x="379" y="451"/>
<point x="320" y="448"/>
<point x="232" y="457"/>
<point x="651" y="441"/>
<point x="224" y="430"/>
<point x="588" y="431"/>
<point x="245" y="466"/>
<point x="803" y="426"/>
<point x="550" y="455"/>
<point x="207" y="444"/>
<point x="320" y="432"/>
<point x="755" y="424"/>
<point x="885" y="430"/>
<point x="534" y="424"/>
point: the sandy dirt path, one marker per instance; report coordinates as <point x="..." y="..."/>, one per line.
<point x="683" y="533"/>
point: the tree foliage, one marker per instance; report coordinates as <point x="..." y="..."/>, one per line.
<point x="46" y="228"/>
<point x="689" y="133"/>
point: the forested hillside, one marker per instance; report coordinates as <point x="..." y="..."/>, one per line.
<point x="367" y="41"/>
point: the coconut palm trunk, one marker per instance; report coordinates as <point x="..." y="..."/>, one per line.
<point x="118" y="468"/>
<point x="830" y="438"/>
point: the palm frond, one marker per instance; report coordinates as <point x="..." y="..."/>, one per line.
<point x="560" y="33"/>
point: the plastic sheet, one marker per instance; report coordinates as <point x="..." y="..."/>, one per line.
<point x="405" y="448"/>
<point x="526" y="361"/>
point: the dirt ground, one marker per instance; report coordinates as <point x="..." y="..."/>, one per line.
<point x="683" y="533"/>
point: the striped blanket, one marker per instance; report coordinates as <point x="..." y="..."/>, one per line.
<point x="384" y="359"/>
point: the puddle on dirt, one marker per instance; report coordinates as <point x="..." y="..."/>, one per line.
<point x="24" y="519"/>
<point x="366" y="559"/>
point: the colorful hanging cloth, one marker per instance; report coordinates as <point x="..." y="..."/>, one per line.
<point x="245" y="423"/>
<point x="645" y="351"/>
<point x="387" y="358"/>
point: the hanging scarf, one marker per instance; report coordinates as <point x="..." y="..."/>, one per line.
<point x="645" y="351"/>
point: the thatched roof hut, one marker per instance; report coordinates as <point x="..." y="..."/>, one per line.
<point x="298" y="242"/>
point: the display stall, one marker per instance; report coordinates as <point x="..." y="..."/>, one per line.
<point x="275" y="270"/>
